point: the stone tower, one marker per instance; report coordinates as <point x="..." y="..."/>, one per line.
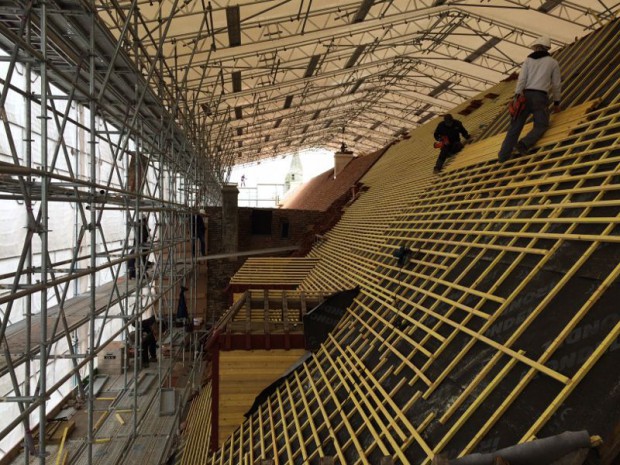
<point x="294" y="177"/>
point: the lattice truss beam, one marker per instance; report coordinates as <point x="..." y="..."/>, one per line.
<point x="262" y="78"/>
<point x="91" y="155"/>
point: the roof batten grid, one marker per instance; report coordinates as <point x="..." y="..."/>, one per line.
<point x="461" y="214"/>
<point x="556" y="342"/>
<point x="505" y="199"/>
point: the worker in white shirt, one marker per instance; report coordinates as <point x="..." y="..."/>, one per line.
<point x="539" y="81"/>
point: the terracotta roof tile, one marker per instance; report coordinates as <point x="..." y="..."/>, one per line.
<point x="323" y="190"/>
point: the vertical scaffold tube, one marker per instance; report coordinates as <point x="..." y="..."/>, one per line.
<point x="93" y="238"/>
<point x="43" y="232"/>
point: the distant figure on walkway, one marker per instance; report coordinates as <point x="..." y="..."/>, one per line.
<point x="147" y="324"/>
<point x="141" y="237"/>
<point x="448" y="136"/>
<point x="182" y="313"/>
<point x="147" y="339"/>
<point x="243" y="180"/>
<point x="540" y="74"/>
<point x="197" y="230"/>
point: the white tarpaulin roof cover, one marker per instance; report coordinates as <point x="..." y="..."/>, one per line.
<point x="273" y="76"/>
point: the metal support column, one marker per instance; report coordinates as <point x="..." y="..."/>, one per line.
<point x="43" y="233"/>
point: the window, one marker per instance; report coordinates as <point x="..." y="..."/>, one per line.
<point x="284" y="229"/>
<point x="261" y="222"/>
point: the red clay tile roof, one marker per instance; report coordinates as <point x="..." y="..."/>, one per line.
<point x="323" y="190"/>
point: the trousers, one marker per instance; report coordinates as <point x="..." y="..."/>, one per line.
<point x="537" y="105"/>
<point x="447" y="151"/>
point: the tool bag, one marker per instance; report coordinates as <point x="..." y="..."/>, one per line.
<point x="445" y="141"/>
<point x="516" y="106"/>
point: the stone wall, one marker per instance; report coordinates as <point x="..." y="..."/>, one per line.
<point x="301" y="224"/>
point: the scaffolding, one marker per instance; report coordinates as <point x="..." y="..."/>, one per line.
<point x="91" y="137"/>
<point x="106" y="127"/>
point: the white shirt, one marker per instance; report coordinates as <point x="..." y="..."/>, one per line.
<point x="541" y="74"/>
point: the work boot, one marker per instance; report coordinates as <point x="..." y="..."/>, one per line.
<point x="503" y="158"/>
<point x="521" y="148"/>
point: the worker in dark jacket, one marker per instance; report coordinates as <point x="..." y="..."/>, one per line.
<point x="197" y="230"/>
<point x="448" y="135"/>
<point x="147" y="339"/>
<point x="539" y="81"/>
<point x="140" y="245"/>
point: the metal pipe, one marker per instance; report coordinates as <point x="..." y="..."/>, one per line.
<point x="9" y="428"/>
<point x="28" y="262"/>
<point x="137" y="241"/>
<point x="44" y="237"/>
<point x="37" y="287"/>
<point x="93" y="238"/>
<point x="160" y="260"/>
<point x="47" y="175"/>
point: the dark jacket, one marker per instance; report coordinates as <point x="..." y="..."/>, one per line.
<point x="142" y="232"/>
<point x="197" y="225"/>
<point x="453" y="131"/>
<point x="182" y="308"/>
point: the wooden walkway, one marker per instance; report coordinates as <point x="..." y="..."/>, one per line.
<point x="113" y="435"/>
<point x="76" y="313"/>
<point x="273" y="272"/>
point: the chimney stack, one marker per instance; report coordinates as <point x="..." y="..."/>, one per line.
<point x="342" y="159"/>
<point x="230" y="218"/>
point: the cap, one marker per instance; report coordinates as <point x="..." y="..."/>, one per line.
<point x="543" y="41"/>
<point x="202" y="211"/>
